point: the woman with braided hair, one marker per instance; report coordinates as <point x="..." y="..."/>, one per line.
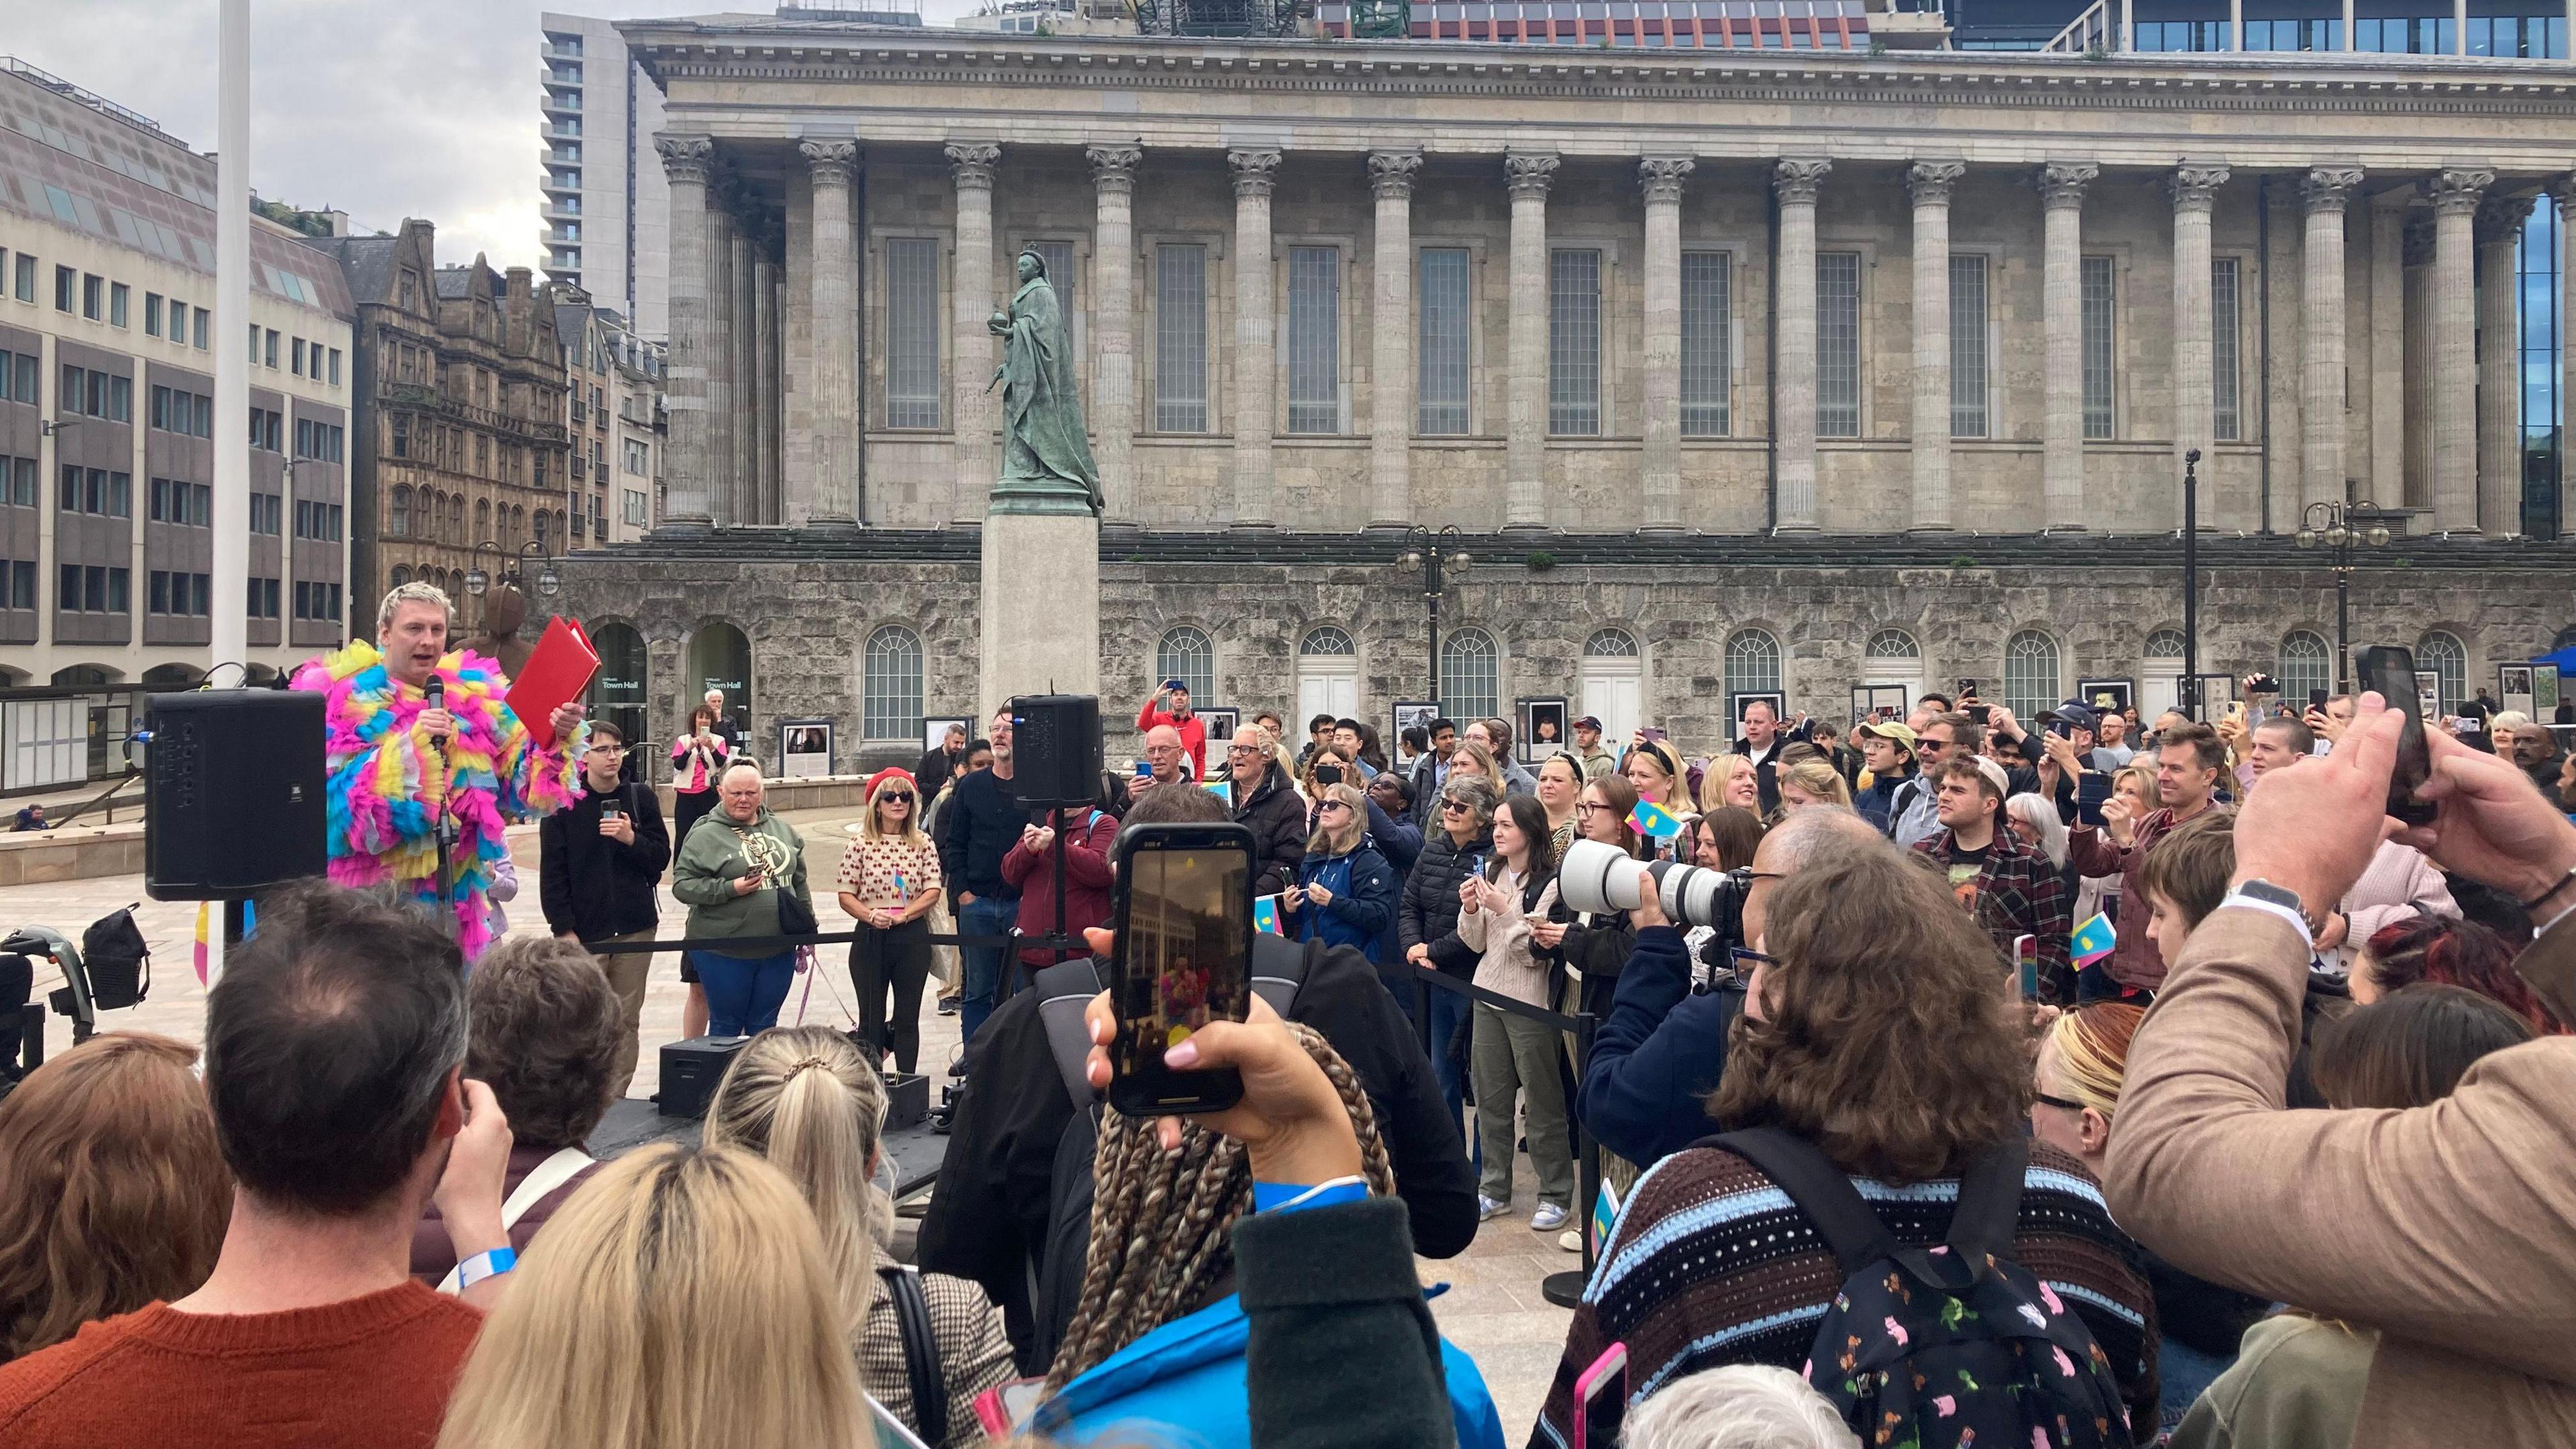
<point x="1160" y="1340"/>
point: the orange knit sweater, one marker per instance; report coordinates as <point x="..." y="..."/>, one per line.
<point x="371" y="1371"/>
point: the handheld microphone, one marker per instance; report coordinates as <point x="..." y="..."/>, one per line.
<point x="436" y="690"/>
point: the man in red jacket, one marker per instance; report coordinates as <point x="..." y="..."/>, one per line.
<point x="1171" y="706"/>
<point x="1030" y="868"/>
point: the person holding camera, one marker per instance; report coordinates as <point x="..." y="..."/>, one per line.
<point x="1171" y="706"/>
<point x="599" y="860"/>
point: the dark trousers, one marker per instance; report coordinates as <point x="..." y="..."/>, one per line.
<point x="892" y="962"/>
<point x="686" y="807"/>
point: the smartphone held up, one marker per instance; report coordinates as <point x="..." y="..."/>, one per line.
<point x="2391" y="671"/>
<point x="1182" y="911"/>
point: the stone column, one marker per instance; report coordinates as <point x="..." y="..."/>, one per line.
<point x="2321" y="308"/>
<point x="2454" y="400"/>
<point x="686" y="464"/>
<point x="2416" y="473"/>
<point x="2194" y="190"/>
<point x="2061" y="190"/>
<point x="724" y="353"/>
<point x="973" y="413"/>
<point x="746" y="378"/>
<point x="1661" y="176"/>
<point x="1113" y="327"/>
<point x="1525" y="438"/>
<point x="1930" y="183"/>
<point x="2387" y="468"/>
<point x="1793" y="371"/>
<point x="832" y="295"/>
<point x="2499" y="233"/>
<point x="764" y="346"/>
<point x="1391" y="334"/>
<point x="1256" y="354"/>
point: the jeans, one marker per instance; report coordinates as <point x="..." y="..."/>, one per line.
<point x="1514" y="1051"/>
<point x="743" y="992"/>
<point x="980" y="967"/>
<point x="896" y="962"/>
<point x="1449" y="1019"/>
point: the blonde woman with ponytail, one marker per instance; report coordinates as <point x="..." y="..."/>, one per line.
<point x="809" y="1101"/>
<point x="679" y="1300"/>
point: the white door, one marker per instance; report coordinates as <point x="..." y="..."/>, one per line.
<point x="1612" y="695"/>
<point x="2158" y="692"/>
<point x="1327" y="686"/>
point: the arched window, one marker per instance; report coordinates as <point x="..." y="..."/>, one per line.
<point x="398" y="518"/>
<point x="1610" y="644"/>
<point x="401" y="576"/>
<point x="891" y="696"/>
<point x="1327" y="639"/>
<point x="618" y="691"/>
<point x="1186" y="654"/>
<point x="482" y="519"/>
<point x="1752" y="667"/>
<point x="1894" y="644"/>
<point x="545" y="528"/>
<point x="2030" y="674"/>
<point x="1471" y="683"/>
<point x="2307" y="664"/>
<point x="2442" y="653"/>
<point x="2166" y="644"/>
<point x="719" y="657"/>
<point x="1892" y="660"/>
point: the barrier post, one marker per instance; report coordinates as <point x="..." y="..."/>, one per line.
<point x="1566" y="1289"/>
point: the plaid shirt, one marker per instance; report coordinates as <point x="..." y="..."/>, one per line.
<point x="2018" y="893"/>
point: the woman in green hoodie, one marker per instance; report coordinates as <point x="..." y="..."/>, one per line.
<point x="737" y="859"/>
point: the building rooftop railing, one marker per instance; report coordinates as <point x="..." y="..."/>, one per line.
<point x="92" y="99"/>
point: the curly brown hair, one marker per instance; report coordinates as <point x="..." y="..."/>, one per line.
<point x="543" y="1030"/>
<point x="1887" y="1039"/>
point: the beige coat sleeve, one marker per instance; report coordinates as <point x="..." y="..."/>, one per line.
<point x="2449" y="1224"/>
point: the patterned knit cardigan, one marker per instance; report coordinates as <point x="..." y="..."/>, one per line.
<point x="386" y="788"/>
<point x="1711" y="1264"/>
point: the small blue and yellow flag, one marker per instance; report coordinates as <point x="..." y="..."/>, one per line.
<point x="1605" y="1215"/>
<point x="1265" y="914"/>
<point x="1654" y="821"/>
<point x="2093" y="940"/>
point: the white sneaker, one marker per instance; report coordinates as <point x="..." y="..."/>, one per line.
<point x="1572" y="1242"/>
<point x="1488" y="1209"/>
<point x="1547" y="1219"/>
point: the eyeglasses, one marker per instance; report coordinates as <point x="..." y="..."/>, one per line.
<point x="1332" y="805"/>
<point x="1243" y="749"/>
<point x="1746" y="958"/>
<point x="608" y="747"/>
<point x="1586" y="807"/>
<point x="1452" y="807"/>
<point x="893" y="797"/>
<point x="2060" y="1103"/>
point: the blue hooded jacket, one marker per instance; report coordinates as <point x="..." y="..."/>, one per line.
<point x="1182" y="1387"/>
<point x="1361" y="914"/>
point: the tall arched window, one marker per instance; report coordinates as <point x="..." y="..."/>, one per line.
<point x="1471" y="680"/>
<point x="2442" y="653"/>
<point x="2030" y="674"/>
<point x="545" y="528"/>
<point x="401" y="576"/>
<point x="398" y="518"/>
<point x="1186" y="654"/>
<point x="620" y="690"/>
<point x="2307" y="664"/>
<point x="719" y="657"/>
<point x="891" y="697"/>
<point x="1752" y="667"/>
<point x="483" y="519"/>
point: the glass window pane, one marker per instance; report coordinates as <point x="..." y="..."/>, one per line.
<point x="2443" y="654"/>
<point x="1314" y="339"/>
<point x="1574" y="343"/>
<point x="2226" y="412"/>
<point x="2030" y="674"/>
<point x="2098" y="301"/>
<point x="1752" y="666"/>
<point x="892" y="690"/>
<point x="2307" y="664"/>
<point x="1180" y="339"/>
<point x="1470" y="677"/>
<point x="1708" y="342"/>
<point x="1441" y="386"/>
<point x="1968" y="347"/>
<point x="1838" y="344"/>
<point x="912" y="332"/>
<point x="1187" y="655"/>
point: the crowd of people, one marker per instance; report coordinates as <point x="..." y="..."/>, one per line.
<point x="1987" y="1085"/>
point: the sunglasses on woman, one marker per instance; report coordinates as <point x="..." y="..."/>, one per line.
<point x="892" y="797"/>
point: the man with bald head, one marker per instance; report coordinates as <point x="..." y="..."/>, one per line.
<point x="1663" y="1047"/>
<point x="1166" y="757"/>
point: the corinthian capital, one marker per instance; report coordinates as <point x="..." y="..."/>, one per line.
<point x="973" y="161"/>
<point x="2195" y="187"/>
<point x="686" y="158"/>
<point x="1661" y="177"/>
<point x="2457" y="190"/>
<point x="1254" y="171"/>
<point x="1391" y="173"/>
<point x="2062" y="183"/>
<point x="1930" y="181"/>
<point x="2327" y="188"/>
<point x="1528" y="175"/>
<point x="831" y="159"/>
<point x="1113" y="168"/>
<point x="1797" y="181"/>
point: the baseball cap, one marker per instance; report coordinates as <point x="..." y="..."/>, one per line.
<point x="1886" y="730"/>
<point x="1994" y="774"/>
<point x="2073" y="712"/>
<point x="1589" y="722"/>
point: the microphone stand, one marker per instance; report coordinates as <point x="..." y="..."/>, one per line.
<point x="445" y="833"/>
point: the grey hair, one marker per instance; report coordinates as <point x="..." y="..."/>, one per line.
<point x="738" y="765"/>
<point x="2040" y="814"/>
<point x="412" y="593"/>
<point x="1476" y="793"/>
<point x="1802" y="833"/>
<point x="1740" y="1406"/>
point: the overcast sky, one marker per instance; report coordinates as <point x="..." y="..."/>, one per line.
<point x="381" y="108"/>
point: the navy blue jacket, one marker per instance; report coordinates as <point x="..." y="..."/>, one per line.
<point x="1657" y="1056"/>
<point x="1400" y="841"/>
<point x="1362" y="912"/>
<point x="983" y="821"/>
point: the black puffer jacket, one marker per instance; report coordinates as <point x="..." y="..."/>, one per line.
<point x="1429" y="911"/>
<point x="1276" y="815"/>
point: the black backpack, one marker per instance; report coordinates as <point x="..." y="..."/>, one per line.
<point x="1952" y="1345"/>
<point x="1279" y="970"/>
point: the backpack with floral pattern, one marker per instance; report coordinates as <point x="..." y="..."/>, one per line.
<point x="1950" y="1347"/>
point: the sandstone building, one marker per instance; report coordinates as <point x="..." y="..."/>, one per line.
<point x="1740" y="370"/>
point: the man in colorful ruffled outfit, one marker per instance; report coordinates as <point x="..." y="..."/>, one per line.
<point x="387" y="787"/>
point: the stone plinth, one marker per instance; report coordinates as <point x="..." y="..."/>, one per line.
<point x="1041" y="623"/>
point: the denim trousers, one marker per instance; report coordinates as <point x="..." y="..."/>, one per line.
<point x="980" y="967"/>
<point x="743" y="992"/>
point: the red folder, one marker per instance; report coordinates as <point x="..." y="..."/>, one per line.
<point x="558" y="671"/>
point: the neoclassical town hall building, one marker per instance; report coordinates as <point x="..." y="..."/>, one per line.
<point x="1735" y="369"/>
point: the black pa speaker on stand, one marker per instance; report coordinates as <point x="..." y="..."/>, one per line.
<point x="232" y="793"/>
<point x="1055" y="749"/>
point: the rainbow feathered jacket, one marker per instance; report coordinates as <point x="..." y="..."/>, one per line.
<point x="386" y="788"/>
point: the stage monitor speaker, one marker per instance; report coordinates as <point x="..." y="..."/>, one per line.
<point x="1055" y="749"/>
<point x="691" y="1068"/>
<point x="232" y="792"/>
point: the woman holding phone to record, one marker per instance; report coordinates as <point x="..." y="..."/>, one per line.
<point x="889" y="883"/>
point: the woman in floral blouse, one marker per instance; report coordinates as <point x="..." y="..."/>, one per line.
<point x="889" y="882"/>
